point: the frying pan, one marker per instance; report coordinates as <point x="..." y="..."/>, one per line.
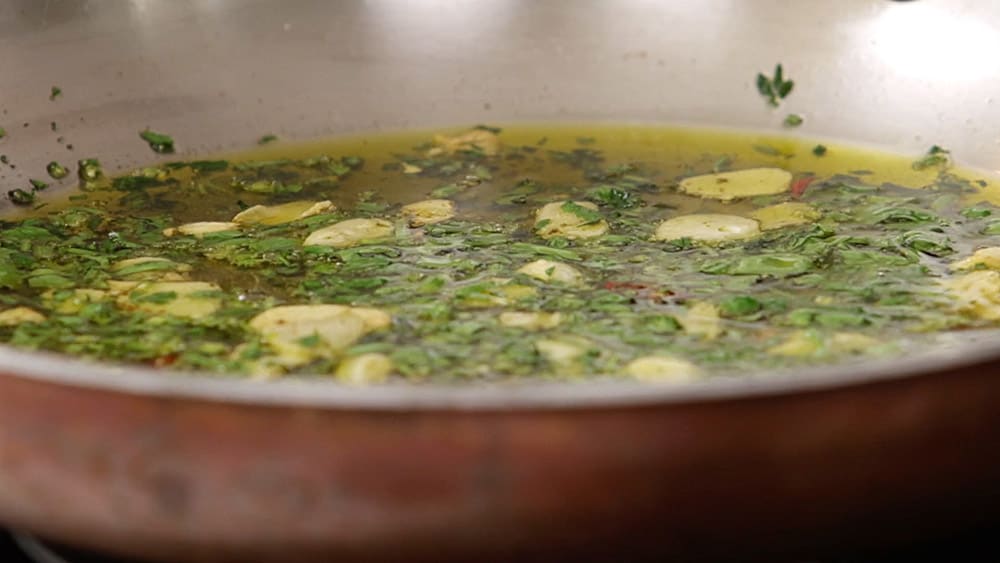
<point x="186" y="467"/>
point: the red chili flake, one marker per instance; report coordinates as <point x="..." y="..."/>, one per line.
<point x="164" y="361"/>
<point x="799" y="185"/>
<point x="614" y="286"/>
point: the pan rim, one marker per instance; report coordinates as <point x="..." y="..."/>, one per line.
<point x="313" y="392"/>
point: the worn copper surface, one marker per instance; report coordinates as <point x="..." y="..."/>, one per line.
<point x="175" y="479"/>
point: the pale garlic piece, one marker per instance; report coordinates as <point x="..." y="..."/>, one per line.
<point x="709" y="228"/>
<point x="569" y="219"/>
<point x="374" y="319"/>
<point x="851" y="343"/>
<point x="364" y="369"/>
<point x="701" y="319"/>
<point x="530" y="320"/>
<point x="984" y="258"/>
<point x="551" y="271"/>
<point x="799" y="344"/>
<point x="428" y="212"/>
<point x="806" y="343"/>
<point x="201" y="228"/>
<point x="150" y="268"/>
<point x="727" y="186"/>
<point x="481" y="140"/>
<point x="517" y="292"/>
<point x="118" y="287"/>
<point x="788" y="214"/>
<point x="300" y="333"/>
<point x="662" y="369"/>
<point x="352" y="232"/>
<point x="19" y="315"/>
<point x="282" y="213"/>
<point x="976" y="293"/>
<point x="559" y="351"/>
<point x="190" y="299"/>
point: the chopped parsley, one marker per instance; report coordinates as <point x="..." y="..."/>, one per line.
<point x="88" y="170"/>
<point x="793" y="120"/>
<point x="20" y="197"/>
<point x="936" y="157"/>
<point x="56" y="171"/>
<point x="587" y="215"/>
<point x="160" y="143"/>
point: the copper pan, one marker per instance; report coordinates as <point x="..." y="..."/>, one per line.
<point x="184" y="467"/>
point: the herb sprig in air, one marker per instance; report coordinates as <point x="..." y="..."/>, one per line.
<point x="935" y="157"/>
<point x="776" y="88"/>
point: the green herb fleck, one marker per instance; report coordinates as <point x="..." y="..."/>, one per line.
<point x="587" y="215"/>
<point x="793" y="120"/>
<point x="768" y="150"/>
<point x="723" y="164"/>
<point x="778" y="265"/>
<point x="613" y="196"/>
<point x="739" y="306"/>
<point x="54" y="93"/>
<point x="976" y="212"/>
<point x="269" y="138"/>
<point x="935" y="157"/>
<point x="540" y="250"/>
<point x="200" y="165"/>
<point x="159" y="142"/>
<point x="158" y="297"/>
<point x="37" y="185"/>
<point x="819" y="150"/>
<point x="311" y="341"/>
<point x="88" y="169"/>
<point x="21" y="197"/>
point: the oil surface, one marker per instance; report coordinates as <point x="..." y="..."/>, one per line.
<point x="163" y="266"/>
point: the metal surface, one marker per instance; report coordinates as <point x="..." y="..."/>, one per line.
<point x="183" y="467"/>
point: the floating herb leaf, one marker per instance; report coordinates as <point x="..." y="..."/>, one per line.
<point x="613" y="196"/>
<point x="21" y="197"/>
<point x="159" y="142"/>
<point x="88" y="169"/>
<point x="587" y="215"/>
<point x="56" y="171"/>
<point x="793" y="120"/>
